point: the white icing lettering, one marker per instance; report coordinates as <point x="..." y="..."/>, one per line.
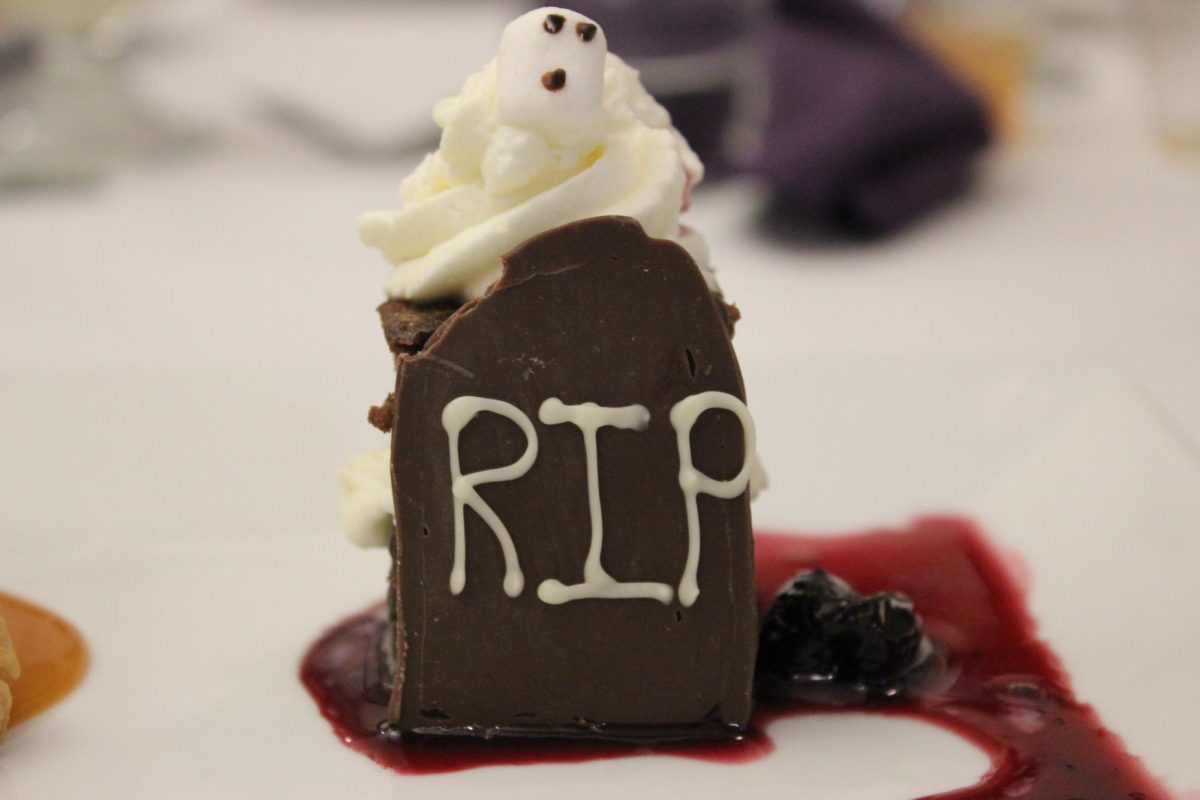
<point x="457" y="414"/>
<point x="684" y="416"/>
<point x="590" y="418"/>
<point x="597" y="583"/>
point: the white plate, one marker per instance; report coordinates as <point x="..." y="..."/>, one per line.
<point x="186" y="523"/>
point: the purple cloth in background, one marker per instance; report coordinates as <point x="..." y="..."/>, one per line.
<point x="653" y="28"/>
<point x="649" y="34"/>
<point x="865" y="131"/>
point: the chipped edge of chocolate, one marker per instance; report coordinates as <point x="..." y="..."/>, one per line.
<point x="407" y="326"/>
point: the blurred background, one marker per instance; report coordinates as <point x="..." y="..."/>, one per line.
<point x="179" y="179"/>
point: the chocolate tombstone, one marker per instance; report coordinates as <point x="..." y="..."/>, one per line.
<point x="571" y="454"/>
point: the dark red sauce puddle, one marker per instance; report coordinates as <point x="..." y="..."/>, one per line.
<point x="1002" y="689"/>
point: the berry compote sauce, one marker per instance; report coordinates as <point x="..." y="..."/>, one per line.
<point x="994" y="682"/>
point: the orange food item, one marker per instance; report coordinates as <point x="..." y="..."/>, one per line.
<point x="10" y="668"/>
<point x="53" y="657"/>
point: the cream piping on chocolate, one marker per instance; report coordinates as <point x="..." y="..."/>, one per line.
<point x="590" y="418"/>
<point x="456" y="416"/>
<point x="597" y="583"/>
<point x="684" y="416"/>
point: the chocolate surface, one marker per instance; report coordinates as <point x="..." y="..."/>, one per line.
<point x="594" y="311"/>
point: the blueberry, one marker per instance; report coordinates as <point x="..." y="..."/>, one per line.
<point x="821" y="632"/>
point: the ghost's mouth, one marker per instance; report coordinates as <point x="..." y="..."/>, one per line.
<point x="554" y="80"/>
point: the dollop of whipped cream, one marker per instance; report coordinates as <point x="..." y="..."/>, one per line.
<point x="555" y="129"/>
<point x="365" y="498"/>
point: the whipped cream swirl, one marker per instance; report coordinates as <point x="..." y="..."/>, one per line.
<point x="553" y="130"/>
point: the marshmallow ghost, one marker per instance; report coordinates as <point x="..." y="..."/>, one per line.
<point x="550" y="75"/>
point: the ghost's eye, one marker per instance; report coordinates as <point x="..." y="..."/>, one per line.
<point x="585" y="31"/>
<point x="554" y="23"/>
<point x="554" y="80"/>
